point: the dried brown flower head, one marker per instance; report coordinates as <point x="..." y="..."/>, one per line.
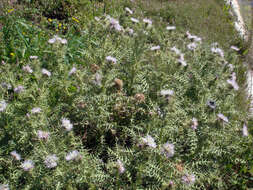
<point x="139" y="97"/>
<point x="94" y="68"/>
<point x="118" y="83"/>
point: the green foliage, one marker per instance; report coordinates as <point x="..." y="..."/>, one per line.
<point x="114" y="106"/>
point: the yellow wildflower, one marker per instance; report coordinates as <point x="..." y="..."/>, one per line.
<point x="10" y="10"/>
<point x="75" y="19"/>
<point x="60" y="25"/>
<point x="50" y="20"/>
<point x="57" y="30"/>
<point x="12" y="54"/>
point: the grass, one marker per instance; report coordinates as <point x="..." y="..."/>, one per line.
<point x="144" y="122"/>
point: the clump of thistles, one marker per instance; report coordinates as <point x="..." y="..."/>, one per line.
<point x="67" y="124"/>
<point x="27" y="165"/>
<point x="3" y="105"/>
<point x="148" y="141"/>
<point x="44" y="135"/>
<point x="15" y="155"/>
<point x="51" y="161"/>
<point x="73" y="155"/>
<point x="168" y="150"/>
<point x="233" y="82"/>
<point x="189" y="179"/>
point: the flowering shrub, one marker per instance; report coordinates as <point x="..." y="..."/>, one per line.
<point x="105" y="109"/>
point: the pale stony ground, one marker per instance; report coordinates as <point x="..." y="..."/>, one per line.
<point x="239" y="7"/>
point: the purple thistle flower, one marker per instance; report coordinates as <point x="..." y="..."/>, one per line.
<point x="233" y="82"/>
<point x="35" y="110"/>
<point x="15" y="155"/>
<point x="217" y="51"/>
<point x="177" y="51"/>
<point x="147" y="21"/>
<point x="43" y="135"/>
<point x="194" y="123"/>
<point x="46" y="72"/>
<point x="19" y="89"/>
<point x="72" y="71"/>
<point x="168" y="150"/>
<point x="3" y="105"/>
<point x="188" y="179"/>
<point x="67" y="124"/>
<point x="130" y="31"/>
<point x="148" y="141"/>
<point x="57" y="39"/>
<point x="192" y="46"/>
<point x="73" y="155"/>
<point x="235" y="48"/>
<point x="98" y="79"/>
<point x="167" y="92"/>
<point x="134" y="20"/>
<point x="114" y="24"/>
<point x="6" y="85"/>
<point x="170" y="28"/>
<point x="33" y="57"/>
<point x="111" y="59"/>
<point x="193" y="37"/>
<point x="4" y="187"/>
<point x="245" y="132"/>
<point x="51" y="161"/>
<point x="155" y="48"/>
<point x="128" y="10"/>
<point x="211" y="104"/>
<point x="222" y="117"/>
<point x="27" y="165"/>
<point x="27" y="69"/>
<point x="120" y="167"/>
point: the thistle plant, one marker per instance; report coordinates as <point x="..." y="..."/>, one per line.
<point x="102" y="109"/>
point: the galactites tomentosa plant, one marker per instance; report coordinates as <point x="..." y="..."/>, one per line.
<point x="114" y="108"/>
